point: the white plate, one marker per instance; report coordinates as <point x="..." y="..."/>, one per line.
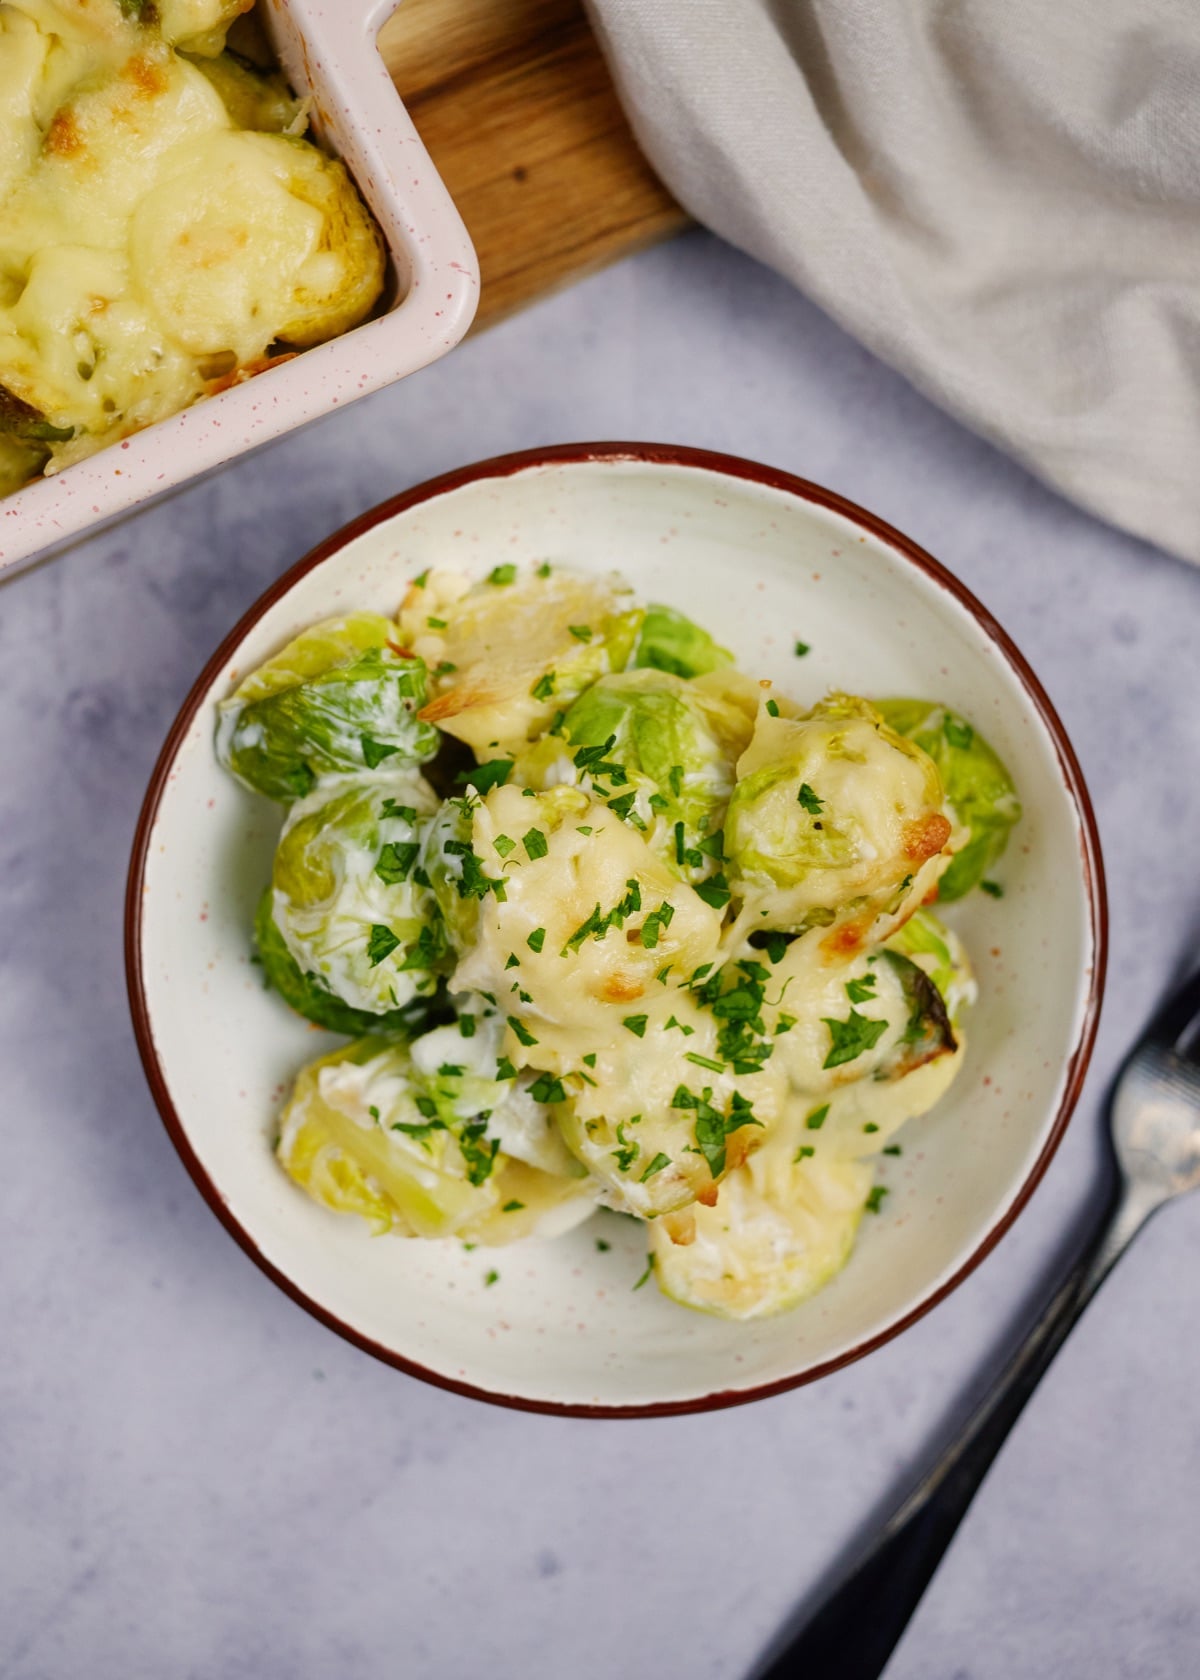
<point x="760" y="558"/>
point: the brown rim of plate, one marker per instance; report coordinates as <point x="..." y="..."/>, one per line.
<point x="668" y="455"/>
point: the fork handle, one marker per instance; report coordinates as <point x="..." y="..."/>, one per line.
<point x="855" y="1630"/>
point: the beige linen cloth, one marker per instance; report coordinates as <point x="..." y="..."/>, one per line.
<point x="1000" y="197"/>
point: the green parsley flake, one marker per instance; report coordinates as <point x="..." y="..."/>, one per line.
<point x="443" y="668"/>
<point x="801" y="649"/>
<point x="490" y="1278"/>
<point x="504" y="845"/>
<point x="816" y="1119"/>
<point x="656" y="1166"/>
<point x="546" y="1088"/>
<point x="602" y="1247"/>
<point x="704" y="1062"/>
<point x="675" y="780"/>
<point x="535" y="844"/>
<point x="523" y="1033"/>
<point x="859" y="991"/>
<point x="374" y="752"/>
<point x="581" y="632"/>
<point x="543" y="570"/>
<point x="992" y="887"/>
<point x="403" y="813"/>
<point x="381" y="944"/>
<point x="450" y="1070"/>
<point x="505" y="1069"/>
<point x="395" y="860"/>
<point x="870" y="1126"/>
<point x="420" y="582"/>
<point x="590" y="1058"/>
<point x="512" y="1207"/>
<point x="543" y="688"/>
<point x="808" y="799"/>
<point x="513" y="961"/>
<point x="636" y="1024"/>
<point x="875" y="1200"/>
<point x="436" y="623"/>
<point x="784" y="1024"/>
<point x="501" y="575"/>
<point x="803" y="1152"/>
<point x="773" y="708"/>
<point x="584" y="828"/>
<point x="646" y="1274"/>
<point x="485" y="776"/>
<point x="466" y="1026"/>
<point x="850" y="1038"/>
<point x="536" y="939"/>
<point x="715" y="891"/>
<point x="893" y="1149"/>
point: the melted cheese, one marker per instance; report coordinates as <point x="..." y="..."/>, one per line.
<point x="149" y="248"/>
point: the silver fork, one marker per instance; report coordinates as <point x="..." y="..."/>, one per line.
<point x="1154" y="1119"/>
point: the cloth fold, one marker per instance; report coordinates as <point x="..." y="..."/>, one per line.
<point x="1001" y="201"/>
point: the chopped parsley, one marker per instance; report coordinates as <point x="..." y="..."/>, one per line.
<point x="501" y="575"/>
<point x="536" y="939"/>
<point x="636" y="1024"/>
<point x="675" y="780"/>
<point x="683" y="1027"/>
<point x="546" y="1088"/>
<point x="504" y="845"/>
<point x="590" y="1058"/>
<point x="478" y="1151"/>
<point x="381" y="944"/>
<point x="870" y="1126"/>
<point x="450" y="1070"/>
<point x="654" y="924"/>
<point x="395" y="860"/>
<point x="419" y="582"/>
<point x="513" y="960"/>
<point x="443" y="668"/>
<point x="628" y="1152"/>
<point x="436" y="623"/>
<point x="535" y="844"/>
<point x="992" y="887"/>
<point x="704" y="1061"/>
<point x="581" y="632"/>
<point x="374" y="752"/>
<point x="713" y="1127"/>
<point x="773" y="708"/>
<point x="875" y="1200"/>
<point x="543" y="570"/>
<point x="404" y="813"/>
<point x="858" y="991"/>
<point x="505" y="1069"/>
<point x="804" y="1151"/>
<point x="714" y="891"/>
<point x="543" y="688"/>
<point x="851" y="1037"/>
<point x="491" y="775"/>
<point x="816" y="1119"/>
<point x="512" y="1207"/>
<point x="656" y="1166"/>
<point x="800" y="649"/>
<point x="808" y="799"/>
<point x="602" y="1247"/>
<point x="490" y="1278"/>
<point x="646" y="1274"/>
<point x="892" y="1149"/>
<point x="522" y="1031"/>
<point x="466" y="1026"/>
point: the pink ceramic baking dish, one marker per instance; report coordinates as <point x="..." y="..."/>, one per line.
<point x="328" y="49"/>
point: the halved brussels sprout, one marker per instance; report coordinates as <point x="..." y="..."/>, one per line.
<point x="661" y="1111"/>
<point x="309" y="996"/>
<point x="340" y="698"/>
<point x="365" y="1132"/>
<point x="978" y="787"/>
<point x="510" y="652"/>
<point x="782" y="1226"/>
<point x="668" y="641"/>
<point x="345" y="896"/>
<point x="834" y="816"/>
<point x="579" y="924"/>
<point x="660" y="752"/>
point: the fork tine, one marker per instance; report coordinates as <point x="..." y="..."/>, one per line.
<point x="1176" y="1016"/>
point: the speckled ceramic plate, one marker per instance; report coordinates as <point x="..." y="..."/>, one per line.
<point x="761" y="558"/>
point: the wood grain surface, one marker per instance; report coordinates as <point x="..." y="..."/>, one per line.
<point x="516" y="105"/>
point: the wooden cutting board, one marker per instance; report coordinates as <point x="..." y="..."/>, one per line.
<point x="516" y="105"/>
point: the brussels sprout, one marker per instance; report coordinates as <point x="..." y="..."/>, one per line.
<point x="782" y="1226"/>
<point x="309" y="995"/>
<point x="255" y="99"/>
<point x="365" y="1132"/>
<point x="834" y="815"/>
<point x="346" y="899"/>
<point x="573" y="914"/>
<point x="457" y="878"/>
<point x="662" y="1110"/>
<point x="509" y="653"/>
<point x="835" y="1022"/>
<point x="339" y="698"/>
<point x="661" y="754"/>
<point x="668" y="641"/>
<point x="978" y="787"/>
